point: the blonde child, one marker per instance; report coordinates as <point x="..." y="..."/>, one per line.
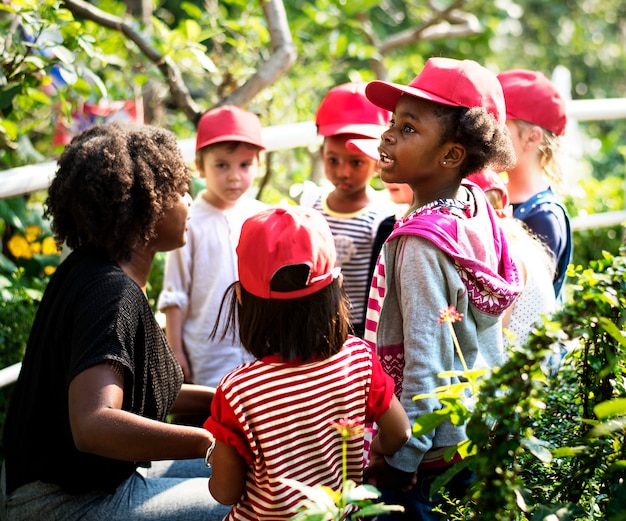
<point x="352" y="208"/>
<point x="448" y="251"/>
<point x="273" y="418"/>
<point x="228" y="143"/>
<point x="536" y="119"/>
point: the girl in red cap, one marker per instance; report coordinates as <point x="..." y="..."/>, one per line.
<point x="448" y="251"/>
<point x="275" y="418"/>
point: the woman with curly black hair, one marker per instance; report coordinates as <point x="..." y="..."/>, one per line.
<point x="98" y="378"/>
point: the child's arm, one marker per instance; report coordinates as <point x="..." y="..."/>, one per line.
<point x="228" y="476"/>
<point x="394" y="430"/>
<point x="174" y="332"/>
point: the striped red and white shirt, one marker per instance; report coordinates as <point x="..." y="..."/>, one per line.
<point x="278" y="415"/>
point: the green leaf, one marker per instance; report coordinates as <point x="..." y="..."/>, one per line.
<point x="615" y="425"/>
<point x="192" y="10"/>
<point x="538" y="448"/>
<point x="429" y="422"/>
<point x="39" y="96"/>
<point x="566" y="452"/>
<point x="192" y="29"/>
<point x="452" y="471"/>
<point x="378" y="509"/>
<point x="610" y="408"/>
<point x="362" y="493"/>
<point x="613" y="330"/>
<point x="36" y="61"/>
<point x="7" y="94"/>
<point x="9" y="128"/>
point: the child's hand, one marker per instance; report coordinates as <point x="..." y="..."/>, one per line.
<point x="383" y="476"/>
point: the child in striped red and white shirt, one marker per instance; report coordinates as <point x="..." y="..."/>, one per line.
<point x="273" y="418"/>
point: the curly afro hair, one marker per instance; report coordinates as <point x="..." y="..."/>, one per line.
<point x="487" y="144"/>
<point x="112" y="186"/>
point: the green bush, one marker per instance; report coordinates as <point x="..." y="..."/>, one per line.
<point x="18" y="305"/>
<point x="549" y="443"/>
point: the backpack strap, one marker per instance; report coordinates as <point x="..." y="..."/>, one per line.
<point x="547" y="197"/>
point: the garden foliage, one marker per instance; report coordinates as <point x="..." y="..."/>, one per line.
<point x="548" y="441"/>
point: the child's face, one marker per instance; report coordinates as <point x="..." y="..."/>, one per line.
<point x="411" y="149"/>
<point x="228" y="173"/>
<point x="399" y="193"/>
<point x="350" y="172"/>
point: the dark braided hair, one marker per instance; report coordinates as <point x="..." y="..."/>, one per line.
<point x="112" y="186"/>
<point x="487" y="145"/>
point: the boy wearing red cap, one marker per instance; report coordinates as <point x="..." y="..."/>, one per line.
<point x="276" y="418"/>
<point x="448" y="251"/>
<point x="352" y="208"/>
<point x="536" y="119"/>
<point x="228" y="143"/>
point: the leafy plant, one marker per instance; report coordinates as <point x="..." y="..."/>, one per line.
<point x="18" y="306"/>
<point x="551" y="444"/>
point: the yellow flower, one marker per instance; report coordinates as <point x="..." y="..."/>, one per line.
<point x="31" y="232"/>
<point x="49" y="270"/>
<point x="35" y="247"/>
<point x="49" y="246"/>
<point x="19" y="248"/>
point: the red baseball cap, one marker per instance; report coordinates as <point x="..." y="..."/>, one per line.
<point x="367" y="146"/>
<point x="530" y="96"/>
<point x="490" y="180"/>
<point x="286" y="236"/>
<point x="458" y="83"/>
<point x="346" y="110"/>
<point x="229" y="123"/>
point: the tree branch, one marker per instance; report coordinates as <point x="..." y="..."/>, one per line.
<point x="177" y="87"/>
<point x="439" y="26"/>
<point x="281" y="60"/>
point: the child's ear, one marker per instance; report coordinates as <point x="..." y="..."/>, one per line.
<point x="454" y="156"/>
<point x="200" y="159"/>
<point x="532" y="136"/>
<point x="199" y="169"/>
